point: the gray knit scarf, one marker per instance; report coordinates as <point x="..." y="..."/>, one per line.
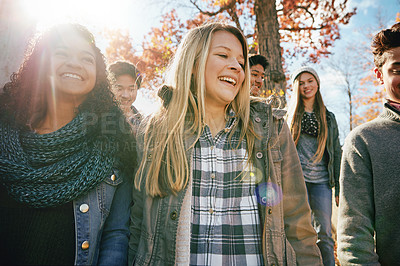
<point x="52" y="169"/>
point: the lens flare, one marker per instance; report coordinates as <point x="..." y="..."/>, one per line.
<point x="269" y="194"/>
<point x="252" y="175"/>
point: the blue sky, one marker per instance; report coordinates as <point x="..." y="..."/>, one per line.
<point x="353" y="34"/>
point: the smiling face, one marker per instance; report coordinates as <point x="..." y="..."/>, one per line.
<point x="125" y="89"/>
<point x="73" y="68"/>
<point x="308" y="86"/>
<point x="257" y="79"/>
<point x="389" y="75"/>
<point x="224" y="71"/>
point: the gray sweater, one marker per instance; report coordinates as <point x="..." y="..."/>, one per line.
<point x="370" y="193"/>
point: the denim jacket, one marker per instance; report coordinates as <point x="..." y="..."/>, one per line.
<point x="102" y="222"/>
<point x="334" y="151"/>
<point x="288" y="236"/>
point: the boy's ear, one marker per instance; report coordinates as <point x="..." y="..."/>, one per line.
<point x="378" y="75"/>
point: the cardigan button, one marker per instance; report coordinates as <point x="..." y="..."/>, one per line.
<point x="113" y="177"/>
<point x="269" y="211"/>
<point x="174" y="215"/>
<point x="84" y="208"/>
<point x="259" y="155"/>
<point x="257" y="119"/>
<point x="85" y="245"/>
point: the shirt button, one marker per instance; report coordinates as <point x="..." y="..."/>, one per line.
<point x="259" y="155"/>
<point x="269" y="211"/>
<point x="226" y="130"/>
<point x="212" y="147"/>
<point x="211" y="211"/>
<point x="84" y="208"/>
<point x="212" y="175"/>
<point x="257" y="119"/>
<point x="174" y="215"/>
<point x="85" y="245"/>
<point x="113" y="177"/>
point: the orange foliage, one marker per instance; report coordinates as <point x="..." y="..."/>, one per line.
<point x="309" y="26"/>
<point x="369" y="98"/>
<point x="120" y="47"/>
<point x="312" y="25"/>
<point x="158" y="47"/>
<point x="218" y="2"/>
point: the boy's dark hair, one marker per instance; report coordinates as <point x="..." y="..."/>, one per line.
<point x="258" y="60"/>
<point x="120" y="68"/>
<point x="385" y="40"/>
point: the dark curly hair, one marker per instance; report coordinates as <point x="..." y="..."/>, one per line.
<point x="23" y="103"/>
<point x="24" y="98"/>
<point x="385" y="40"/>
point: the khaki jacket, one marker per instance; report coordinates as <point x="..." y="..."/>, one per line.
<point x="288" y="236"/>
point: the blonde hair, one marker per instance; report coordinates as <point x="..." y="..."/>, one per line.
<point x="165" y="132"/>
<point x="296" y="112"/>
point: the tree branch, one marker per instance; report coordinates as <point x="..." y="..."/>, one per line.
<point x="306" y="10"/>
<point x="303" y="28"/>
<point x="230" y="5"/>
<point x="233" y="14"/>
<point x="250" y="35"/>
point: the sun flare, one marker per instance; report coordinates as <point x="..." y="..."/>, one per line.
<point x="94" y="13"/>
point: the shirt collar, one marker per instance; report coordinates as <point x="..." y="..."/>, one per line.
<point x="395" y="105"/>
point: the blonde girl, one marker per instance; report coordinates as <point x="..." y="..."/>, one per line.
<point x="203" y="196"/>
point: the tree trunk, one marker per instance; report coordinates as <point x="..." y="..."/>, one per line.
<point x="269" y="46"/>
<point x="349" y="95"/>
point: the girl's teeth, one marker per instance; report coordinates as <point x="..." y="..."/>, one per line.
<point x="72" y="76"/>
<point x="230" y="80"/>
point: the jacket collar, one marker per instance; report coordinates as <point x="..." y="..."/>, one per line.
<point x="390" y="112"/>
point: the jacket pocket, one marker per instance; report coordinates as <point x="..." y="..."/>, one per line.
<point x="276" y="155"/>
<point x="277" y="161"/>
<point x="106" y="190"/>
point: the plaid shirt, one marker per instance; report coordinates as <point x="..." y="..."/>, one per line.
<point x="225" y="221"/>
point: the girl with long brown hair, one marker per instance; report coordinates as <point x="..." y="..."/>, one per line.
<point x="66" y="155"/>
<point x="315" y="133"/>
